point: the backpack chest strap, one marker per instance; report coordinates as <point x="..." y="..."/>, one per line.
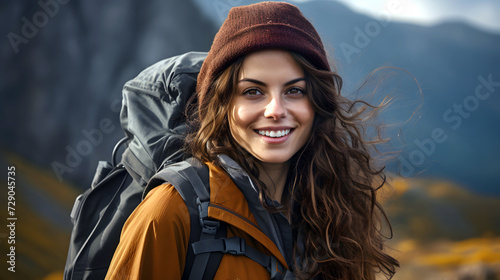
<point x="237" y="246"/>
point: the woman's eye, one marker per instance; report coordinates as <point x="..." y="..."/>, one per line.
<point x="295" y="91"/>
<point x="252" y="92"/>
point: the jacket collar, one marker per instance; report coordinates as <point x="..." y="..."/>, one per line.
<point x="234" y="199"/>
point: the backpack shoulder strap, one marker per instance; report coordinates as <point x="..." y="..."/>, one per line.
<point x="207" y="241"/>
<point x="190" y="171"/>
<point x="191" y="180"/>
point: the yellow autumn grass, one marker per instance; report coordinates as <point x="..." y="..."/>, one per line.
<point x="63" y="192"/>
<point x="470" y="251"/>
<point x="400" y="185"/>
<point x="41" y="245"/>
<point x="58" y="275"/>
<point x="394" y="187"/>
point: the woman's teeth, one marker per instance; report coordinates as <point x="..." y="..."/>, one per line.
<point x="274" y="133"/>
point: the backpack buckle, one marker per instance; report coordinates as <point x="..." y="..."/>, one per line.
<point x="207" y="225"/>
<point x="234" y="245"/>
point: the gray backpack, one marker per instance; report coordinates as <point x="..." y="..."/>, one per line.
<point x="153" y="119"/>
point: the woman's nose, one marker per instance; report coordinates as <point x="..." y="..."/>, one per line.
<point x="275" y="109"/>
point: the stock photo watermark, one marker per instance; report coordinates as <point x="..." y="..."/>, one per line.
<point x="91" y="139"/>
<point x="11" y="218"/>
<point x="454" y="117"/>
<point x="31" y="26"/>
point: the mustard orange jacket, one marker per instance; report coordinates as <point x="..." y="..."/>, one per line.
<point x="154" y="240"/>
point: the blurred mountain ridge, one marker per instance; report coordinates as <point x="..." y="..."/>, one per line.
<point x="449" y="62"/>
<point x="432" y="209"/>
<point x="442" y="230"/>
<point x="67" y="79"/>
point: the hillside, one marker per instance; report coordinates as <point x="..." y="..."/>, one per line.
<point x="42" y="207"/>
<point x="439" y="227"/>
<point x="441" y="230"/>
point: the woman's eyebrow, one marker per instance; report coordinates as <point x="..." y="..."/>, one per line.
<point x="252" y="81"/>
<point x="294" y="81"/>
<point x="291" y="82"/>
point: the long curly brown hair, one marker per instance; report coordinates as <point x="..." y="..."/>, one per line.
<point x="330" y="196"/>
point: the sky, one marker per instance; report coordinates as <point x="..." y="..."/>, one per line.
<point x="482" y="14"/>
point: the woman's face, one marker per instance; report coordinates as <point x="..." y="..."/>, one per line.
<point x="271" y="116"/>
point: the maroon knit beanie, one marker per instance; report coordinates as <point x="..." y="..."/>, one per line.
<point x="266" y="25"/>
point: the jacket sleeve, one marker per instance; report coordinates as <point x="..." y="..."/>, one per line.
<point x="154" y="240"/>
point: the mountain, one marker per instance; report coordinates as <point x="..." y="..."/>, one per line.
<point x="63" y="68"/>
<point x="63" y="73"/>
<point x="447" y="129"/>
<point x="426" y="209"/>
<point x="449" y="61"/>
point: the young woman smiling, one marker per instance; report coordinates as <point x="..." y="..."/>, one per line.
<point x="290" y="171"/>
<point x="271" y="117"/>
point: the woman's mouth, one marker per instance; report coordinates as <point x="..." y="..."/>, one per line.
<point x="274" y="133"/>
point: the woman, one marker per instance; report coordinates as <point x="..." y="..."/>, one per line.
<point x="269" y="109"/>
